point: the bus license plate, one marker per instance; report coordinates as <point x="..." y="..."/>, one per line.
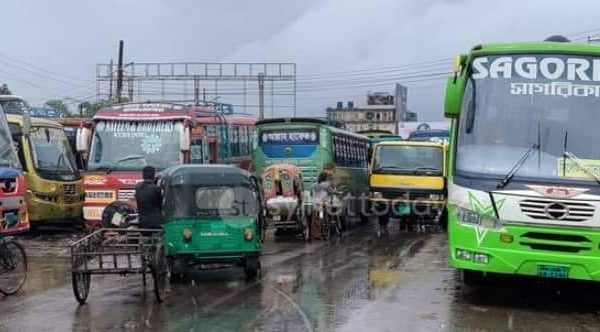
<point x="11" y="219"/>
<point x="553" y="271"/>
<point x="403" y="209"/>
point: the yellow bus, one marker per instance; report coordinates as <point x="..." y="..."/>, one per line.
<point x="54" y="187"/>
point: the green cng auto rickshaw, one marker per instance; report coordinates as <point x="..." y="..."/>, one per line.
<point x="213" y="218"/>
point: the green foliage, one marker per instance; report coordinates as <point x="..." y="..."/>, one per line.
<point x="58" y="105"/>
<point x="88" y="109"/>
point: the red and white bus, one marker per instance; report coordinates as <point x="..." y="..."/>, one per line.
<point x="125" y="138"/>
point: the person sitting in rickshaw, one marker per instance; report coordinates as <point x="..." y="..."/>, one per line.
<point x="149" y="200"/>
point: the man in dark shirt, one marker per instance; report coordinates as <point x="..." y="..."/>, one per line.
<point x="149" y="200"/>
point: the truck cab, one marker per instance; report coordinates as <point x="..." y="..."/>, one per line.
<point x="407" y="181"/>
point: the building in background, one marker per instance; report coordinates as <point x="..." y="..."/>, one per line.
<point x="381" y="112"/>
<point x="405" y="128"/>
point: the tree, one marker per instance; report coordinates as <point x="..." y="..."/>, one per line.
<point x="60" y="106"/>
<point x="90" y="109"/>
<point x="4" y="90"/>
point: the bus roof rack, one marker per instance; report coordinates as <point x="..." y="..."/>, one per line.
<point x="322" y="121"/>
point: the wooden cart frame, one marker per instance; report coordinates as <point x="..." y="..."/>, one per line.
<point x="121" y="252"/>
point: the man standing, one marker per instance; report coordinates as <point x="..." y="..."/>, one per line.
<point x="149" y="200"/>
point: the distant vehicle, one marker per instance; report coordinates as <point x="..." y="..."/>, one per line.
<point x="283" y="189"/>
<point x="523" y="195"/>
<point x="126" y="137"/>
<point x="373" y="133"/>
<point x="407" y="181"/>
<point x="430" y="135"/>
<point x="311" y="144"/>
<point x="213" y="217"/>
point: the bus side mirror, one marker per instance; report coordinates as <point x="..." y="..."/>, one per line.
<point x="26" y="123"/>
<point x="184" y="139"/>
<point x="82" y="139"/>
<point x="455" y="89"/>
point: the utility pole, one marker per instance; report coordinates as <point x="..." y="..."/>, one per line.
<point x="130" y="88"/>
<point x="261" y="96"/>
<point x="120" y="72"/>
<point x="196" y="91"/>
<point x="110" y="83"/>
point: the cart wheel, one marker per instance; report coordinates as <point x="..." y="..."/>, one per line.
<point x="160" y="273"/>
<point x="144" y="279"/>
<point x="81" y="286"/>
<point x="252" y="268"/>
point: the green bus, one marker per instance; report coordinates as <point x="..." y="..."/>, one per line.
<point x="523" y="193"/>
<point x="311" y="144"/>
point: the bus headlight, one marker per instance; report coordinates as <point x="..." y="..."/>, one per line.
<point x="436" y="197"/>
<point x="471" y="217"/>
<point x="467" y="216"/>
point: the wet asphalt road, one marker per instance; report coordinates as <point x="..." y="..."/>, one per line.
<point x="357" y="283"/>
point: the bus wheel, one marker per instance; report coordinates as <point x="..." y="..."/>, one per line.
<point x="472" y="278"/>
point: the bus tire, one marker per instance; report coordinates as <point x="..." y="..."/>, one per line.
<point x="472" y="278"/>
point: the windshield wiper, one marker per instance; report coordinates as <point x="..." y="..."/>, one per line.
<point x="506" y="180"/>
<point x="581" y="165"/>
<point x="124" y="159"/>
<point x="427" y="169"/>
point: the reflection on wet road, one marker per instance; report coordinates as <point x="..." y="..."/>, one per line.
<point x="358" y="283"/>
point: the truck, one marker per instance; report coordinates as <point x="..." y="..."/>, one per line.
<point x="523" y="193"/>
<point x="124" y="138"/>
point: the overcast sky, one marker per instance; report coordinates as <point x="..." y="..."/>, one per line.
<point x="66" y="38"/>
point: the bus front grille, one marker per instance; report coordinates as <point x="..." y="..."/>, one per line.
<point x="568" y="243"/>
<point x="546" y="209"/>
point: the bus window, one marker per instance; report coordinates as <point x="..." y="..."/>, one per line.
<point x="196" y="156"/>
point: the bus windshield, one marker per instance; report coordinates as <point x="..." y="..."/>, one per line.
<point x="514" y="103"/>
<point x="131" y="145"/>
<point x="409" y="159"/>
<point x="52" y="155"/>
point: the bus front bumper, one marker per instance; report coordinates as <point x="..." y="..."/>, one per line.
<point x="387" y="206"/>
<point x="52" y="212"/>
<point x="546" y="252"/>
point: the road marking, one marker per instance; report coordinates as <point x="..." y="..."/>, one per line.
<point x="297" y="307"/>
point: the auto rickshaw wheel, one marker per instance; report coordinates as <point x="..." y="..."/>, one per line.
<point x="159" y="273"/>
<point x="251" y="268"/>
<point x="175" y="274"/>
<point x="81" y="286"/>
